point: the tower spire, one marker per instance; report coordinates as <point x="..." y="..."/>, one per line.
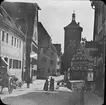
<point x="73" y="15"/>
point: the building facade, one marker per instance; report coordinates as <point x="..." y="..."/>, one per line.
<point x="99" y="37"/>
<point x="44" y="41"/>
<point x="72" y="39"/>
<point x="12" y="44"/>
<point x="47" y="54"/>
<point x="58" y="48"/>
<point x="54" y="66"/>
<point x="26" y="15"/>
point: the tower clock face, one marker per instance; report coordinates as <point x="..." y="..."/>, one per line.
<point x="72" y="43"/>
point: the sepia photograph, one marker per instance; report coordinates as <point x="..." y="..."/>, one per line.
<point x="52" y="52"/>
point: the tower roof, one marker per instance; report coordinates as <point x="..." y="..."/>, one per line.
<point x="73" y="24"/>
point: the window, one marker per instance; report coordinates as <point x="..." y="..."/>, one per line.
<point x="6" y="37"/>
<point x="51" y="61"/>
<point x="44" y="59"/>
<point x="51" y="54"/>
<point x="15" y="42"/>
<point x="49" y="70"/>
<point x="16" y="64"/>
<point x="13" y="64"/>
<point x="34" y="48"/>
<point x="20" y="45"/>
<point x="35" y="36"/>
<point x="19" y="64"/>
<point x="3" y="35"/>
<point x="6" y="59"/>
<point x="12" y="41"/>
<point x="58" y="70"/>
<point x="10" y="63"/>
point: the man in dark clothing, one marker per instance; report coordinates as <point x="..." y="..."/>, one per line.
<point x="28" y="81"/>
<point x="51" y="84"/>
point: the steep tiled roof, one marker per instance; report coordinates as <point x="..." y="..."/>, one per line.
<point x="85" y="51"/>
<point x="80" y="54"/>
<point x="9" y="21"/>
<point x="46" y="33"/>
<point x="53" y="47"/>
<point x="73" y="24"/>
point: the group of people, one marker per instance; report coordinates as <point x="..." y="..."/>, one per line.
<point x="47" y="86"/>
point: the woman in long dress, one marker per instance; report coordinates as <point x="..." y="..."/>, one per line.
<point x="46" y="85"/>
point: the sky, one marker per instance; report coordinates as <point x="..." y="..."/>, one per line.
<point x="56" y="14"/>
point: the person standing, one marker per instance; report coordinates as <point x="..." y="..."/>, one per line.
<point x="57" y="86"/>
<point x="51" y="84"/>
<point x="46" y="85"/>
<point x="28" y="81"/>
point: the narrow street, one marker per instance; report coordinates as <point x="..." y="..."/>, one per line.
<point x="44" y="98"/>
<point x="36" y="96"/>
<point x="52" y="98"/>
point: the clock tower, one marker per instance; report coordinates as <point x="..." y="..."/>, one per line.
<point x="72" y="39"/>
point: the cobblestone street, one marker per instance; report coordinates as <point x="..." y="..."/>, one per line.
<point x="36" y="96"/>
